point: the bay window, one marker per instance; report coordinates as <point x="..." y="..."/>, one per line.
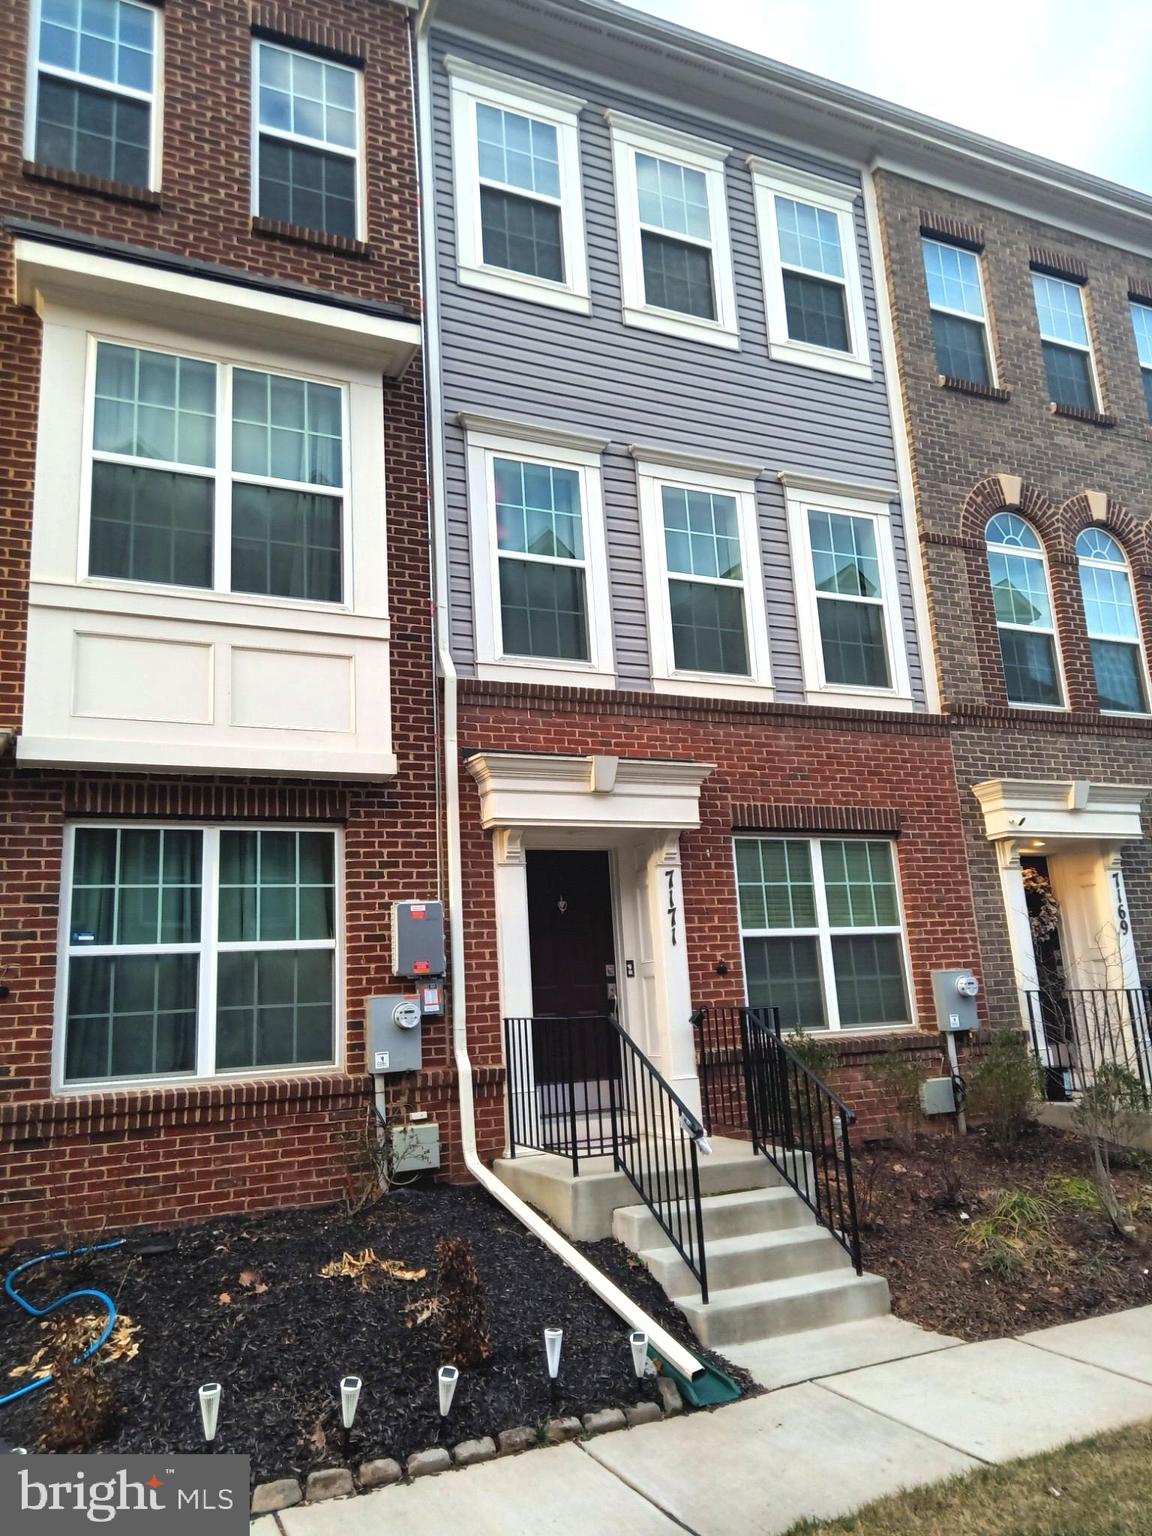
<point x="822" y="932"/>
<point x="197" y="951"/>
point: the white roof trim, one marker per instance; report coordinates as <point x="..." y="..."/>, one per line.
<point x="475" y="422"/>
<point x="660" y="456"/>
<point x="1043" y="810"/>
<point x="528" y="789"/>
<point x="827" y="485"/>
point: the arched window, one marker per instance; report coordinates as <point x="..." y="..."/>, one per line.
<point x="1113" y="628"/>
<point x="1019" y="576"/>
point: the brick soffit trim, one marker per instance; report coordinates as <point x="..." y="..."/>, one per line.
<point x="283" y="24"/>
<point x="205" y="802"/>
<point x="1056" y="263"/>
<point x="815" y="818"/>
<point x="955" y="231"/>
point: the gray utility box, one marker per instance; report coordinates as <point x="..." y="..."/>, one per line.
<point x="954" y="993"/>
<point x="394" y="1043"/>
<point x="937" y="1096"/>
<point x="415" y="1146"/>
<point x="417" y="938"/>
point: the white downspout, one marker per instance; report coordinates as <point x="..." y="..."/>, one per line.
<point x="661" y="1341"/>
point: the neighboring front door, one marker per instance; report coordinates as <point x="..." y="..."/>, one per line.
<point x="573" y="957"/>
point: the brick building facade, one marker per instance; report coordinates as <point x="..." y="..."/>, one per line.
<point x="1007" y="440"/>
<point x="233" y="284"/>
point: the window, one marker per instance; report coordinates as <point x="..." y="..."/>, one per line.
<point x="1064" y="341"/>
<point x="675" y="258"/>
<point x="1142" y="325"/>
<point x="198" y="951"/>
<point x="94" y="84"/>
<point x="1023" y="602"/>
<point x="307" y="159"/>
<point x="814" y="301"/>
<point x="1113" y="628"/>
<point x="540" y="577"/>
<point x="705" y="591"/>
<point x="847" y="595"/>
<point x="822" y="932"/>
<point x="959" y="320"/>
<point x="519" y="212"/>
<point x="208" y="475"/>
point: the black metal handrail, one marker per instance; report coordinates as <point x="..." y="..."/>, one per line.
<point x="793" y="1118"/>
<point x="580" y="1086"/>
<point x="1077" y="1030"/>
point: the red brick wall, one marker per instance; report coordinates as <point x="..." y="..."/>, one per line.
<point x="78" y="1164"/>
<point x="787" y="764"/>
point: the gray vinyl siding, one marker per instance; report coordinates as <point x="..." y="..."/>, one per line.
<point x="512" y="358"/>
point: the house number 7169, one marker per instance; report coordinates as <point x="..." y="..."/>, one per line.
<point x="1121" y="909"/>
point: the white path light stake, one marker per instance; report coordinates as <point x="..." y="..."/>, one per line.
<point x="448" y="1376"/>
<point x="349" y="1398"/>
<point x="553" y="1343"/>
<point x="639" y="1343"/>
<point x="210" y="1408"/>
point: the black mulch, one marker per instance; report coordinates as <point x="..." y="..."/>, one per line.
<point x="280" y="1351"/>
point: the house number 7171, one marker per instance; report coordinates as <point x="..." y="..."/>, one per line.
<point x="670" y="876"/>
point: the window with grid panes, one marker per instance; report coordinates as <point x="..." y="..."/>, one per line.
<point x="849" y="599"/>
<point x="812" y="262"/>
<point x="308" y="136"/>
<point x="95" y="87"/>
<point x="1142" y="326"/>
<point x="1113" y="627"/>
<point x="705" y="581"/>
<point x="165" y="476"/>
<point x="959" y="323"/>
<point x="520" y="202"/>
<point x="675" y="237"/>
<point x="542" y="561"/>
<point x="1064" y="341"/>
<point x="1023" y="602"/>
<point x="821" y="931"/>
<point x="198" y="951"/>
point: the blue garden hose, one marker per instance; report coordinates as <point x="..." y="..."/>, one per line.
<point x="101" y="1296"/>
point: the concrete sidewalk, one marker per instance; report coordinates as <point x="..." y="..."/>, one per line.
<point x="883" y="1408"/>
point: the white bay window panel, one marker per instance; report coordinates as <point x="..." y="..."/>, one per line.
<point x="814" y="299"/>
<point x="197" y="953"/>
<point x="519" y="208"/>
<point x="209" y="558"/>
<point x="823" y="932"/>
<point x="539" y="562"/>
<point x="704" y="583"/>
<point x="847" y="597"/>
<point x="672" y="224"/>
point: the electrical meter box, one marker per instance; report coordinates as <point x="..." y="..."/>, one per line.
<point x="955" y="994"/>
<point x="417" y="938"/>
<point x="394" y="1043"/>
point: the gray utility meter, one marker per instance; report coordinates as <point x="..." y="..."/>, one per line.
<point x="417" y="938"/>
<point x="955" y="993"/>
<point x="394" y="1034"/>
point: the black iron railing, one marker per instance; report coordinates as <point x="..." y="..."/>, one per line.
<point x="1076" y="1031"/>
<point x="792" y="1116"/>
<point x="580" y="1087"/>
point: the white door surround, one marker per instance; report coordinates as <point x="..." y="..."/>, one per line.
<point x="1080" y="828"/>
<point x="636" y="810"/>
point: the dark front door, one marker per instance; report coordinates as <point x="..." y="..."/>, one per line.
<point x="573" y="956"/>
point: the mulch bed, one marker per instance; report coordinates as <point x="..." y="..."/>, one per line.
<point x="914" y="1233"/>
<point x="285" y="1335"/>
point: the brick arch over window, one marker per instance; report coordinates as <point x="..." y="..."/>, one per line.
<point x="1001" y="493"/>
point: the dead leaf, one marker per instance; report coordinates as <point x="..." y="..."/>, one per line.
<point x="418" y="1312"/>
<point x="224" y="1299"/>
<point x="75" y="1335"/>
<point x="258" y="1290"/>
<point x="366" y="1269"/>
<point x="250" y="1277"/>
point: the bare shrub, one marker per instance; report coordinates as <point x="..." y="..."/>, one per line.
<point x="460" y="1307"/>
<point x="1004" y="1086"/>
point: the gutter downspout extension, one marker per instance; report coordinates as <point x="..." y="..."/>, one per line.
<point x="660" y="1340"/>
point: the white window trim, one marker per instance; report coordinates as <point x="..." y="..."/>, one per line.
<point x="153" y="98"/>
<point x="207" y="947"/>
<point x="799" y="500"/>
<point x="1141" y="653"/>
<point x="223" y="477"/>
<point x="1071" y="346"/>
<point x="630" y="137"/>
<point x="491" y="660"/>
<point x="769" y="180"/>
<point x="653" y="475"/>
<point x="824" y="933"/>
<point x="470" y="84"/>
<point x="1040" y="554"/>
<point x="959" y="314"/>
<point x="356" y="154"/>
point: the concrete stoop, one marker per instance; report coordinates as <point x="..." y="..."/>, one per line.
<point x="772" y="1269"/>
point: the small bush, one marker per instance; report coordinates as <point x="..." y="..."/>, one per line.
<point x="1016" y="1231"/>
<point x="1108" y="1113"/>
<point x="1005" y="1086"/>
<point x="460" y="1305"/>
<point x="899" y="1077"/>
<point x="80" y="1408"/>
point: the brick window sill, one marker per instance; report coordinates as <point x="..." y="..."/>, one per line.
<point x="971" y="387"/>
<point x="1078" y="413"/>
<point x="318" y="239"/>
<point x="114" y="191"/>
